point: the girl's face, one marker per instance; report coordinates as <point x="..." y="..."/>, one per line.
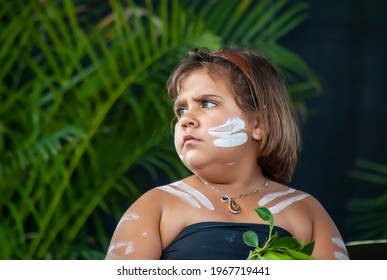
<point x="211" y="126"/>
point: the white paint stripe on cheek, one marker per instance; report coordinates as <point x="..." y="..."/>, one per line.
<point x="233" y="140"/>
<point x="185" y="197"/>
<point x="341" y="256"/>
<point x="195" y="193"/>
<point x="271" y="196"/>
<point x="283" y="204"/>
<point x="232" y="125"/>
<point x="227" y="134"/>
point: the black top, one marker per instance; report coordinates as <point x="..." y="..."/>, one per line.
<point x="216" y="241"/>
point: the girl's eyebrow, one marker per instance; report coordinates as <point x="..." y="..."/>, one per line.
<point x="207" y="96"/>
<point x="177" y="103"/>
<point x="180" y="102"/>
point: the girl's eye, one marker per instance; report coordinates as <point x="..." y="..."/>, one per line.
<point x="208" y="104"/>
<point x="180" y="111"/>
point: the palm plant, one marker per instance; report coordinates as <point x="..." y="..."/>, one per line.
<point x="368" y="215"/>
<point x="84" y="117"/>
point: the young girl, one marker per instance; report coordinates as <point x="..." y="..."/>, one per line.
<point x="237" y="133"/>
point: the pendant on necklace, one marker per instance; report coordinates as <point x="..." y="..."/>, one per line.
<point x="234" y="207"/>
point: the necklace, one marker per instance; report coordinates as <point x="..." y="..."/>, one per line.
<point x="232" y="205"/>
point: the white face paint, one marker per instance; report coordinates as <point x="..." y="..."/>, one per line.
<point x="182" y="195"/>
<point x="112" y="256"/>
<point x="129" y="249"/>
<point x="128" y="217"/>
<point x="340" y="243"/>
<point x="128" y="245"/>
<point x="283" y="204"/>
<point x="341" y="256"/>
<point x="228" y="135"/>
<point x="188" y="194"/>
<point x="194" y="193"/>
<point x="271" y="196"/>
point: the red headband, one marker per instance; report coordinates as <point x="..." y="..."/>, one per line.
<point x="236" y="59"/>
<point x="242" y="64"/>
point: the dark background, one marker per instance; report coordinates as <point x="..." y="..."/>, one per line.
<point x="345" y="42"/>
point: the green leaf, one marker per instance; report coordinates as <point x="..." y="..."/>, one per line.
<point x="308" y="248"/>
<point x="286" y="242"/>
<point x="264" y="214"/>
<point x="276" y="247"/>
<point x="272" y="255"/>
<point x="296" y="255"/>
<point x="251" y="238"/>
<point x="367" y="220"/>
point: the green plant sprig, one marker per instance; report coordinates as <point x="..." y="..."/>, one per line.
<point x="276" y="247"/>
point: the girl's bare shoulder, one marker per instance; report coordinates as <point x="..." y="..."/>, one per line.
<point x="292" y="209"/>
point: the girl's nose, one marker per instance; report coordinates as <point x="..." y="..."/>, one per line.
<point x="188" y="120"/>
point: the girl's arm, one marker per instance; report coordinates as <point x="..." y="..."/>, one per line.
<point x="137" y="235"/>
<point x="329" y="244"/>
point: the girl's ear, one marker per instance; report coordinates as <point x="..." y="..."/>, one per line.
<point x="258" y="129"/>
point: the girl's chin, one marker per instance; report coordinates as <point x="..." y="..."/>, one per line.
<point x="197" y="160"/>
<point x="195" y="164"/>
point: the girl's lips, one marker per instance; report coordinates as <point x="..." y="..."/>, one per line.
<point x="187" y="138"/>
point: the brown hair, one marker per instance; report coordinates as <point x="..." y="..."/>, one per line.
<point x="260" y="90"/>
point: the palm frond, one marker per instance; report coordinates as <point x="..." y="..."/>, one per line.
<point x="367" y="218"/>
<point x="84" y="112"/>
